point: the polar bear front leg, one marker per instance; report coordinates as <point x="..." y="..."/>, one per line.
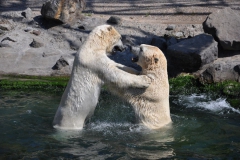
<point x="128" y="69"/>
<point x="112" y="74"/>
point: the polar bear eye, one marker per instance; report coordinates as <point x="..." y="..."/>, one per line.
<point x="156" y="60"/>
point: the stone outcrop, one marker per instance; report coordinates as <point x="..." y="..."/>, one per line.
<point x="27" y="13"/>
<point x="60" y="64"/>
<point x="171" y="27"/>
<point x="190" y="54"/>
<point x="36" y="44"/>
<point x="171" y="41"/>
<point x="159" y="42"/>
<point x="182" y="31"/>
<point x="220" y="70"/>
<point x="63" y="10"/>
<point x="224" y="26"/>
<point x="114" y="20"/>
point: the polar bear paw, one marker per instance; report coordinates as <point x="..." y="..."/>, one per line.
<point x="146" y="81"/>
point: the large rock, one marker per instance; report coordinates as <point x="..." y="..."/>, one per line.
<point x="27" y="13"/>
<point x="224" y="25"/>
<point x="63" y="10"/>
<point x="222" y="69"/>
<point x="171" y="41"/>
<point x="60" y="64"/>
<point x="36" y="44"/>
<point x="190" y="54"/>
<point x="159" y="42"/>
<point x="115" y="20"/>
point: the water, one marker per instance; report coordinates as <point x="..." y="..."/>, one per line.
<point x="202" y="128"/>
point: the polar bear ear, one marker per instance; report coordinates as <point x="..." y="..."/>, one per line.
<point x="156" y="60"/>
<point x="109" y="28"/>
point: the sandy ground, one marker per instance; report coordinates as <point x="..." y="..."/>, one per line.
<point x="146" y="11"/>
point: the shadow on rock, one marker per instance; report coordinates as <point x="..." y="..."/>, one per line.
<point x="47" y="23"/>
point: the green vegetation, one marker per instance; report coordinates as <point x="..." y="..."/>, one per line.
<point x="188" y="85"/>
<point x="147" y="14"/>
<point x="180" y="85"/>
<point x="184" y="84"/>
<point x="88" y="14"/>
<point x="33" y="83"/>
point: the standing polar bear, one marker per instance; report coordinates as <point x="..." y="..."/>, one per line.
<point x="91" y="69"/>
<point x="151" y="105"/>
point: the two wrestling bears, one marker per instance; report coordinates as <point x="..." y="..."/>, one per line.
<point x="147" y="91"/>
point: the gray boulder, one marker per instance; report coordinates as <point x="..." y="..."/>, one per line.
<point x="36" y="32"/>
<point x="171" y="27"/>
<point x="224" y="25"/>
<point x="159" y="42"/>
<point x="220" y="70"/>
<point x="190" y="54"/>
<point x="63" y="10"/>
<point x="179" y="35"/>
<point x="115" y="20"/>
<point x="171" y="41"/>
<point x="36" y="44"/>
<point x="27" y="13"/>
<point x="129" y="41"/>
<point x="60" y="64"/>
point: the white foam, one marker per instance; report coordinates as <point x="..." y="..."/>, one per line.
<point x="128" y="127"/>
<point x="29" y="111"/>
<point x="219" y="105"/>
<point x="104" y="125"/>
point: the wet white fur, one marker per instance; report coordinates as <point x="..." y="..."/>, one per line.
<point x="151" y="105"/>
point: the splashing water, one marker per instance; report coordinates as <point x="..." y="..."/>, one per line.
<point x="219" y="105"/>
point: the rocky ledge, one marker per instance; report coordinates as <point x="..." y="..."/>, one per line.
<point x="34" y="44"/>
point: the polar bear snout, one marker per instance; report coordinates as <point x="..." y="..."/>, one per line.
<point x="136" y="52"/>
<point x="135" y="59"/>
<point x="118" y="47"/>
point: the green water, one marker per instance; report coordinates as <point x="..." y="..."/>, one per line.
<point x="203" y="128"/>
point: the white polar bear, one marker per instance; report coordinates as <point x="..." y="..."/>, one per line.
<point x="91" y="69"/>
<point x="151" y="105"/>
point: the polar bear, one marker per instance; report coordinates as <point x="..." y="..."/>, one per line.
<point x="151" y="105"/>
<point x="91" y="68"/>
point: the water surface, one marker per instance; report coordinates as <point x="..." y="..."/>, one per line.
<point x="202" y="128"/>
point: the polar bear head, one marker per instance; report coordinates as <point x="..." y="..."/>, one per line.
<point x="106" y="37"/>
<point x="149" y="57"/>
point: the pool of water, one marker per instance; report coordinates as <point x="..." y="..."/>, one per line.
<point x="202" y="128"/>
